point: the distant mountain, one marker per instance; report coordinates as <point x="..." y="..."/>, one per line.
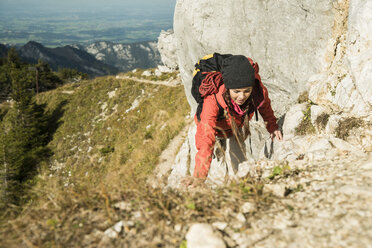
<point x="67" y="56"/>
<point x="97" y="59"/>
<point x="125" y="57"/>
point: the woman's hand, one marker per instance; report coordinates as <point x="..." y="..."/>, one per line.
<point x="276" y="134"/>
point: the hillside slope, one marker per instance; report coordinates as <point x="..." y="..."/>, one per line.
<point x="108" y="135"/>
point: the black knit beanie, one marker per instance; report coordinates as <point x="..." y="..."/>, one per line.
<point x="237" y="72"/>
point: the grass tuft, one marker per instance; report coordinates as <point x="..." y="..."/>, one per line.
<point x="305" y="127"/>
<point x="303" y="97"/>
<point x="346" y="125"/>
<point x="322" y="120"/>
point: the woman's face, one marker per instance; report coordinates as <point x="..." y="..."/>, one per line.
<point x="240" y="95"/>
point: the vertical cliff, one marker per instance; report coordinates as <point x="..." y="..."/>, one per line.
<point x="322" y="47"/>
<point x="288" y="39"/>
<point x="346" y="84"/>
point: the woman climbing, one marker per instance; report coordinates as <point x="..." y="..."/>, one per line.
<point x="229" y="93"/>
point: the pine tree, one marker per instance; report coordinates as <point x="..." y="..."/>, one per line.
<point x="24" y="135"/>
<point x="47" y="78"/>
<point x="4" y="172"/>
<point x="11" y="61"/>
<point x="71" y="75"/>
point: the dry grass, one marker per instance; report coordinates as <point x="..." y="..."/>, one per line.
<point x="303" y="97"/>
<point x="105" y="160"/>
<point x="305" y="127"/>
<point x="72" y="217"/>
<point x="346" y="125"/>
<point x="322" y="120"/>
<point x="103" y="144"/>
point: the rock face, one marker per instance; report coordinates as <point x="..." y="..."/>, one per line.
<point x="168" y="49"/>
<point x="346" y="83"/>
<point x="322" y="47"/>
<point x="293" y="117"/>
<point x="288" y="39"/>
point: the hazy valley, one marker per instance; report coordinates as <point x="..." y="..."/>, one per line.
<point x="82" y="22"/>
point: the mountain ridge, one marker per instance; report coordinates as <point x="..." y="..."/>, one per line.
<point x="97" y="59"/>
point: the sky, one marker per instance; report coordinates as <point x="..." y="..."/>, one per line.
<point x="16" y="7"/>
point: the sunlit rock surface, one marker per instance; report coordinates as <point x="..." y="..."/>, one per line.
<point x="323" y="48"/>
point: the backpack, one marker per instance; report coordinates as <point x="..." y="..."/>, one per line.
<point x="210" y="63"/>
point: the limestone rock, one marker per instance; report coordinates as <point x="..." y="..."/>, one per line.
<point x="318" y="149"/>
<point x="255" y="29"/>
<point x="239" y="221"/>
<point x="333" y="123"/>
<point x="359" y="53"/>
<point x="125" y="206"/>
<point x="328" y="46"/>
<point x="312" y="148"/>
<point x="220" y="225"/>
<point x="146" y="73"/>
<point x="167" y="49"/>
<point x="115" y="230"/>
<point x="354" y="190"/>
<point x="248" y="168"/>
<point x="317" y="111"/>
<point x="317" y="88"/>
<point x="293" y="119"/>
<point x="256" y="141"/>
<point x="346" y="85"/>
<point x="277" y="189"/>
<point x="248" y="207"/>
<point x="181" y="165"/>
<point x="202" y="236"/>
<point x="178" y="227"/>
<point x="164" y="69"/>
<point x="157" y="72"/>
<point x="344" y="96"/>
<point x="367" y="165"/>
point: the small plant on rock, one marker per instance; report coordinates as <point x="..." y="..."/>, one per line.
<point x="303" y="97"/>
<point x="183" y="244"/>
<point x="305" y="127"/>
<point x="280" y="170"/>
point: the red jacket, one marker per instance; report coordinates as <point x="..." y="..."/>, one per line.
<point x="208" y="126"/>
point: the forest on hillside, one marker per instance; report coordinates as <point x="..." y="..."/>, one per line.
<point x="25" y="127"/>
